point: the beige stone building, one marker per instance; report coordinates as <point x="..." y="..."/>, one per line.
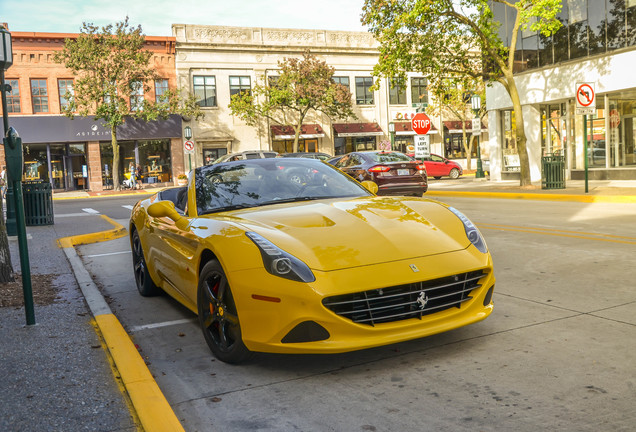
<point x="214" y="62"/>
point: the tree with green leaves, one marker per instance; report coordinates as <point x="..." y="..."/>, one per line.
<point x="113" y="73"/>
<point x="457" y="38"/>
<point x="303" y="86"/>
<point x="452" y="99"/>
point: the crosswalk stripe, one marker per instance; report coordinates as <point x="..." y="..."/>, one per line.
<point x="90" y="210"/>
<point x="129" y="207"/>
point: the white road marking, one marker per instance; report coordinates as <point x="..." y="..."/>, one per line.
<point x="129" y="207"/>
<point x="106" y="254"/>
<point x="73" y="215"/>
<point x="161" y="324"/>
<point x="90" y="210"/>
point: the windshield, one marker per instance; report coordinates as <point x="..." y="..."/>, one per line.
<point x="253" y="183"/>
<point x="386" y="157"/>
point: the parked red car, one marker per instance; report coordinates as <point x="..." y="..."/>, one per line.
<point x="395" y="173"/>
<point x="438" y="166"/>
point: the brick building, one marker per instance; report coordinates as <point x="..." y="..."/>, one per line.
<point x="75" y="154"/>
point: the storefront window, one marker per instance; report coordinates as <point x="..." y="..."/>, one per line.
<point x="553" y="129"/>
<point x="154" y="159"/>
<point x="212" y="154"/>
<point x="35" y="163"/>
<point x="106" y="156"/>
<point x="287" y="146"/>
<point x="404" y="144"/>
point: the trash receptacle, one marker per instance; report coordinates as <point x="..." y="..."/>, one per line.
<point x="553" y="171"/>
<point x="38" y="203"/>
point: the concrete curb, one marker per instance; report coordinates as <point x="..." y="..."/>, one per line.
<point x="150" y="405"/>
<point x="625" y="199"/>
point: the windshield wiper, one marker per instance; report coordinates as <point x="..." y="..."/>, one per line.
<point x="294" y="199"/>
<point x="230" y="207"/>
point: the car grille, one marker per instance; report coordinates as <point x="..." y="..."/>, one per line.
<point x="402" y="302"/>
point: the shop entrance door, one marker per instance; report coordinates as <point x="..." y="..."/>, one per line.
<point x="74" y="172"/>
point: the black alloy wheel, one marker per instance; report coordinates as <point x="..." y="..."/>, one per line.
<point x="218" y="316"/>
<point x="145" y="284"/>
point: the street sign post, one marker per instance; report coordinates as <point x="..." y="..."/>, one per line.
<point x="188" y="148"/>
<point x="585" y="96"/>
<point x="421" y="124"/>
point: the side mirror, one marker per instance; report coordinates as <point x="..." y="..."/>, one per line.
<point x="370" y="186"/>
<point x="166" y="208"/>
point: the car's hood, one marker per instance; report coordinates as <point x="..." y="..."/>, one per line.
<point x="336" y="234"/>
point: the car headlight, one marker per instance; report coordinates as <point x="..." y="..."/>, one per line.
<point x="280" y="263"/>
<point x="472" y="232"/>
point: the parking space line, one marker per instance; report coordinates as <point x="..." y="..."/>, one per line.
<point x="162" y="324"/>
<point x="90" y="210"/>
<point x="107" y="254"/>
<point x="129" y="207"/>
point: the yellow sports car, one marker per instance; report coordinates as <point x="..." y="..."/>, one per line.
<point x="290" y="255"/>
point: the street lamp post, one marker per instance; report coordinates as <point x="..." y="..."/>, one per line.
<point x="392" y="134"/>
<point x="15" y="162"/>
<point x="187" y="134"/>
<point x="476" y="105"/>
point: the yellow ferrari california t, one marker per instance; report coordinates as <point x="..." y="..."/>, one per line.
<point x="290" y="255"/>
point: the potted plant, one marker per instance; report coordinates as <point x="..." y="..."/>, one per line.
<point x="182" y="180"/>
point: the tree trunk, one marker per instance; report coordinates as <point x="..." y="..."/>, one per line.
<point x="6" y="268"/>
<point x="468" y="146"/>
<point x="522" y="149"/>
<point x="113" y="141"/>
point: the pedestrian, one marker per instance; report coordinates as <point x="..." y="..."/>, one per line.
<point x="3" y="181"/>
<point x="138" y="175"/>
<point x="131" y="170"/>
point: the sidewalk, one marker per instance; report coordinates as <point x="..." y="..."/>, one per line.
<point x="58" y="374"/>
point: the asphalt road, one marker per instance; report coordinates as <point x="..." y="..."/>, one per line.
<point x="556" y="354"/>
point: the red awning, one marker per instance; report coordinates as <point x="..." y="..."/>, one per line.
<point x="280" y="132"/>
<point x="455" y="126"/>
<point x="357" y="129"/>
<point x="406" y="128"/>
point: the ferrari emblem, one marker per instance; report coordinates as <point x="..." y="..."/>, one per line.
<point x="414" y="268"/>
<point x="422" y="300"/>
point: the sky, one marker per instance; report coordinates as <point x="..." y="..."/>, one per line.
<point x="157" y="16"/>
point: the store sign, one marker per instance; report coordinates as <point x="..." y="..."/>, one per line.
<point x="422" y="146"/>
<point x="403" y="115"/>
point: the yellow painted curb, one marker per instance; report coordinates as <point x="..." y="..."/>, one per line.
<point x="150" y="405"/>
<point x="153" y="410"/>
<point x="115" y="233"/>
<point x="626" y="199"/>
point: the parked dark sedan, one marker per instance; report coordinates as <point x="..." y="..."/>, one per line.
<point x="395" y="173"/>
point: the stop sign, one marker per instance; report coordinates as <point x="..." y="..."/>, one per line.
<point x="421" y="123"/>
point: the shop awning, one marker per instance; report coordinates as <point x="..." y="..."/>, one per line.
<point x="280" y="132"/>
<point x="357" y="129"/>
<point x="406" y="128"/>
<point x="455" y="127"/>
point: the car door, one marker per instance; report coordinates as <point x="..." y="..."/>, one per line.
<point x="435" y="166"/>
<point x="172" y="250"/>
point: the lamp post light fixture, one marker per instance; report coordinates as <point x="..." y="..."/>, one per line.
<point x="187" y="132"/>
<point x="476" y="105"/>
<point x="15" y="163"/>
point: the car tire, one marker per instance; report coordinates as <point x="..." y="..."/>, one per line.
<point x="218" y="315"/>
<point x="454" y="173"/>
<point x="145" y="285"/>
<point x="437" y="177"/>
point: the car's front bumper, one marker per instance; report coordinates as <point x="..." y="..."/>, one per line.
<point x="271" y="307"/>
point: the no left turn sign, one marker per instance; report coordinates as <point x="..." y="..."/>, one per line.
<point x="188" y="146"/>
<point x="585" y="95"/>
<point x="585" y="98"/>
